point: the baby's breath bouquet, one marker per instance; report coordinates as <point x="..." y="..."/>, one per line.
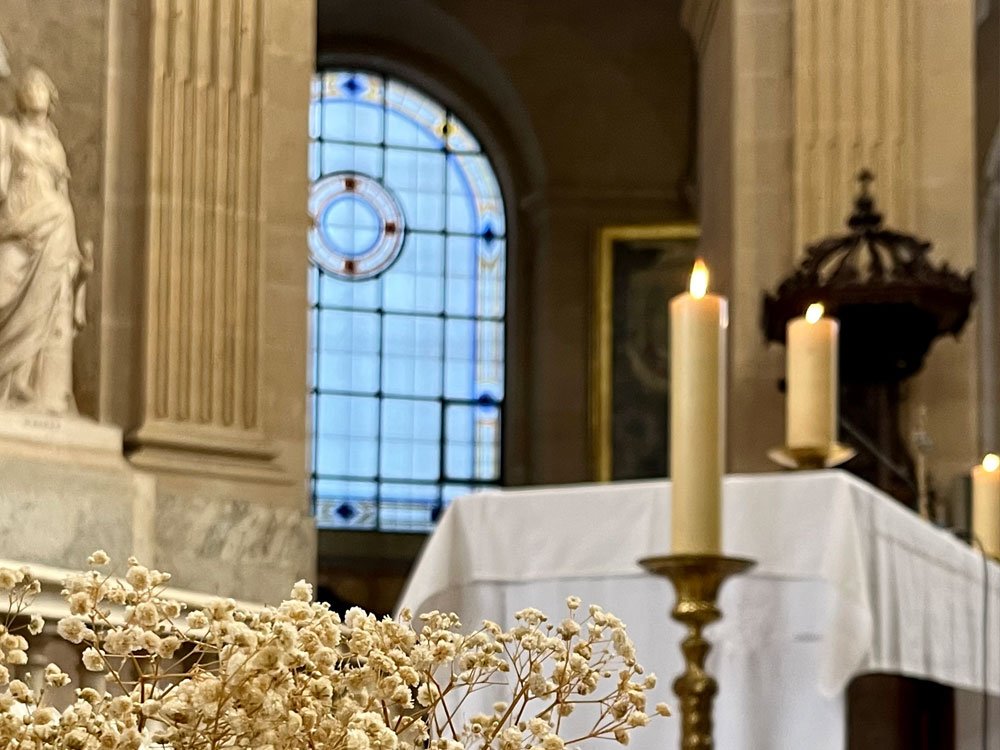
<point x="300" y="676"/>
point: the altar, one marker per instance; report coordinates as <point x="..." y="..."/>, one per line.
<point x="847" y="582"/>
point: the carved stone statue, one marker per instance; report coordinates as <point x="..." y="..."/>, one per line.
<point x="42" y="267"/>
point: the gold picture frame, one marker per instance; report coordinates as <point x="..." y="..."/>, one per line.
<point x="673" y="244"/>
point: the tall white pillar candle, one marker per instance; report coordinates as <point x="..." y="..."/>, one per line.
<point x="698" y="322"/>
<point x="986" y="504"/>
<point x="811" y="379"/>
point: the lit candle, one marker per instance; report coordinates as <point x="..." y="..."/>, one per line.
<point x="986" y="504"/>
<point x="698" y="323"/>
<point x="811" y="376"/>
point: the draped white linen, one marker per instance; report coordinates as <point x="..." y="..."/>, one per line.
<point x="847" y="581"/>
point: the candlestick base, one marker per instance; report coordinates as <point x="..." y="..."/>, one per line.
<point x="802" y="459"/>
<point x="697" y="580"/>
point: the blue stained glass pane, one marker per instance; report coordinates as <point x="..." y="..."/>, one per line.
<point x="315" y="118"/>
<point x="417" y="179"/>
<point x="400" y="130"/>
<point x="461" y="201"/>
<point x="349" y="157"/>
<point x="415" y="283"/>
<point x="486" y="189"/>
<point x="459" y="359"/>
<point x="348" y="354"/>
<point x="412" y="350"/>
<point x="407" y="507"/>
<point x="311" y="355"/>
<point x="361" y="295"/>
<point x="353" y="85"/>
<point x="352" y="121"/>
<point x="459" y="137"/>
<point x="415" y="170"/>
<point x="486" y="459"/>
<point x="411" y="118"/>
<point x="315" y="161"/>
<point x="474" y="360"/>
<point x="313" y="285"/>
<point x="459" y="437"/>
<point x="346" y="505"/>
<point x="347" y="435"/>
<point x="411" y="435"/>
<point x="489" y="379"/>
<point x="460" y="281"/>
<point x="490" y="278"/>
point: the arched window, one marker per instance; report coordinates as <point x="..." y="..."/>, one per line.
<point x="408" y="291"/>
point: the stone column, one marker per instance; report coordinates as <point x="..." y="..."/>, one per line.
<point x="795" y="96"/>
<point x="201" y="383"/>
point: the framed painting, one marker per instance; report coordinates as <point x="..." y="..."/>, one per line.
<point x="637" y="269"/>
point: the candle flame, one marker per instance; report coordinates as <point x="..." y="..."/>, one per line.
<point x="814" y="313"/>
<point x="991" y="462"/>
<point x="699" y="279"/>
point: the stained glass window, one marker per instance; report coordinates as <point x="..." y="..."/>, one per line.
<point x="407" y="295"/>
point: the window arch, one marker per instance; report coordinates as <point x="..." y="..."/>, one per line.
<point x="407" y="294"/>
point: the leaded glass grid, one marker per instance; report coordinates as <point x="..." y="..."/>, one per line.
<point x="406" y="382"/>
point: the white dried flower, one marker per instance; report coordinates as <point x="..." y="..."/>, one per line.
<point x="80" y="603"/>
<point x="10" y="578"/>
<point x="637" y="719"/>
<point x="98" y="558"/>
<point x="302" y="591"/>
<point x="17" y="657"/>
<point x="36" y="624"/>
<point x="92" y="660"/>
<point x="197" y="620"/>
<point x="20" y="692"/>
<point x="55" y="677"/>
<point x="539" y="727"/>
<point x="73" y="629"/>
<point x="146" y="614"/>
<point x="138" y="577"/>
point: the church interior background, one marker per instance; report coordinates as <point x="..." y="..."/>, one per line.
<point x="346" y="262"/>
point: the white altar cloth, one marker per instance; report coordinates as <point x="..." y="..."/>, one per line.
<point x="847" y="581"/>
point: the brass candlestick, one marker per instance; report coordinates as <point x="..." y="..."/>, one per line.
<point x="805" y="459"/>
<point x="696" y="579"/>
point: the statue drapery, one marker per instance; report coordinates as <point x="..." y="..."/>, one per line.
<point x="42" y="268"/>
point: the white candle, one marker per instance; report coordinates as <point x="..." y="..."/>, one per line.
<point x="986" y="504"/>
<point x="811" y="377"/>
<point x="698" y="323"/>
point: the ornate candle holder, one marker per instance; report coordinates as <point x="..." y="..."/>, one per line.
<point x="697" y="580"/>
<point x="803" y="459"/>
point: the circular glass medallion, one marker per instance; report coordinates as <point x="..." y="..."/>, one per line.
<point x="357" y="229"/>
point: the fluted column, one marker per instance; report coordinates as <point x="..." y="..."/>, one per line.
<point x="201" y="388"/>
<point x="855" y="105"/>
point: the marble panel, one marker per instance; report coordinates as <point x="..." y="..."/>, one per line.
<point x="239" y="548"/>
<point x="56" y="512"/>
